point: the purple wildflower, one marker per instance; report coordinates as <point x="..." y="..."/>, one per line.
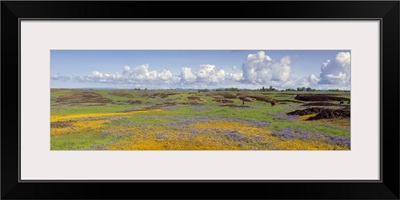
<point x="307" y="135"/>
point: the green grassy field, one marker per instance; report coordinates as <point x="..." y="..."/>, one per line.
<point x="193" y="120"/>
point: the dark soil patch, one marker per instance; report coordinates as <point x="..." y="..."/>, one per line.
<point x="63" y="124"/>
<point x="218" y="98"/>
<point x="307" y="111"/>
<point x="234" y="106"/>
<point x="323" y="113"/>
<point x="261" y="98"/>
<point x="164" y="94"/>
<point x="319" y="97"/>
<point x="192" y="103"/>
<point x="223" y="100"/>
<point x="82" y="98"/>
<point x="332" y="114"/>
<point x="211" y="94"/>
<point x="325" y="104"/>
<point x="120" y="94"/>
<point x="228" y="95"/>
<point x="194" y="98"/>
<point x="152" y="107"/>
<point x="244" y="96"/>
<point x="134" y="102"/>
<point x="160" y="105"/>
<point x="246" y="99"/>
<point x="129" y="102"/>
<point x="294" y="94"/>
<point x="158" y="94"/>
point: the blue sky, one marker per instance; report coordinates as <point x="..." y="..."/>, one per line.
<point x="168" y="69"/>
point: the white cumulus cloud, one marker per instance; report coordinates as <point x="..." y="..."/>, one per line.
<point x="335" y="74"/>
<point x="138" y="74"/>
<point x="337" y="70"/>
<point x="142" y="73"/>
<point x="206" y="73"/>
<point x="313" y="79"/>
<point x="59" y="77"/>
<point x="165" y="75"/>
<point x="234" y="76"/>
<point x="99" y="77"/>
<point x="209" y="73"/>
<point x="187" y="75"/>
<point x="260" y="68"/>
<point x="126" y="69"/>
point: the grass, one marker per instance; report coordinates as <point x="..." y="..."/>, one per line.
<point x="176" y="122"/>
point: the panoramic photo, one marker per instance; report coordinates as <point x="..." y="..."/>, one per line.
<point x="200" y="99"/>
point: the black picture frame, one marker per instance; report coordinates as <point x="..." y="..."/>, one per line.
<point x="386" y="11"/>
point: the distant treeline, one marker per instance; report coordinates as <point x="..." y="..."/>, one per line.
<point x="272" y="89"/>
<point x="263" y="89"/>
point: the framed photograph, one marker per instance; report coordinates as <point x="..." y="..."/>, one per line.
<point x="284" y="96"/>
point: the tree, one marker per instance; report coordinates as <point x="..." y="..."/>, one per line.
<point x="301" y="89"/>
<point x="205" y="90"/>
